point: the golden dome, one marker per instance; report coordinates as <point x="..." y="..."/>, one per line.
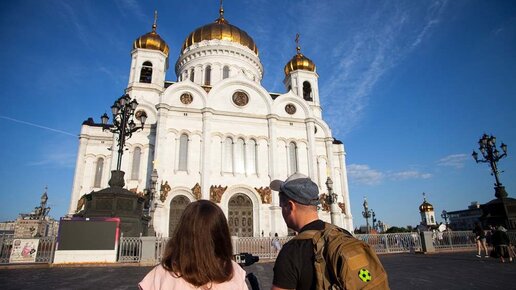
<point x="426" y="207"/>
<point x="222" y="30"/>
<point x="299" y="61"/>
<point x="152" y="40"/>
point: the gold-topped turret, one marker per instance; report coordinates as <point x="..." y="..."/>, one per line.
<point x="222" y="30"/>
<point x="152" y="40"/>
<point x="299" y="61"/>
<point x="425" y="206"/>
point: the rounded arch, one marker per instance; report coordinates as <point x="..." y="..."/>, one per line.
<point x="252" y="194"/>
<point x="177" y="205"/>
<point x="241" y="83"/>
<point x="172" y="93"/>
<point x="280" y="102"/>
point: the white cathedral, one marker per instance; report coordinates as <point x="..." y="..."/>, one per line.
<point x="217" y="134"/>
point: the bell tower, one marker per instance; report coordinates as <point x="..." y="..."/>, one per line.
<point x="149" y="61"/>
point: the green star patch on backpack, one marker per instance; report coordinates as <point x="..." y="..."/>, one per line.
<point x="344" y="262"/>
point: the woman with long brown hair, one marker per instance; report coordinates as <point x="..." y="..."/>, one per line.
<point x="199" y="255"/>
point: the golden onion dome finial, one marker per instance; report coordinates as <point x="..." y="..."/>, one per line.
<point x="152" y="40"/>
<point x="299" y="61"/>
<point x="425" y="206"/>
<point x="155" y="25"/>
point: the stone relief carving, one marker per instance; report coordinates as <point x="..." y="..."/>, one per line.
<point x="290" y="109"/>
<point x="240" y="98"/>
<point x="216" y="193"/>
<point x="186" y="98"/>
<point x="196" y="191"/>
<point x="342" y="207"/>
<point x="265" y="194"/>
<point x="163" y="191"/>
<point x="323" y="198"/>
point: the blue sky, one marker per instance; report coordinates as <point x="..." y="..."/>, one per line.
<point x="408" y="86"/>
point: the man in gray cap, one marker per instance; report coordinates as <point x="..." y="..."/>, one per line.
<point x="299" y="197"/>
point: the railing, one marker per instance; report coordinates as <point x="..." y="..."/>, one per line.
<point x="45" y="253"/>
<point x="260" y="246"/>
<point x="453" y="240"/>
<point x="129" y="249"/>
<point x="392" y="243"/>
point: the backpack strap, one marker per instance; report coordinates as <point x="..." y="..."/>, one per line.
<point x="319" y="239"/>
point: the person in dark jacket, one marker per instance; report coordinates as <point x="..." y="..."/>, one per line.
<point x="501" y="244"/>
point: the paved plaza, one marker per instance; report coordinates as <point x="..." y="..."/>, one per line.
<point x="406" y="271"/>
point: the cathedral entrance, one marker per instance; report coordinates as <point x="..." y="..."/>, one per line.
<point x="177" y="206"/>
<point x="240" y="216"/>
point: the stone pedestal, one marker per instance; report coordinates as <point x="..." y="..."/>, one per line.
<point x="427" y="242"/>
<point x="500" y="211"/>
<point x="116" y="201"/>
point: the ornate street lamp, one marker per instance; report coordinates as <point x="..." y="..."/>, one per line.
<point x="491" y="155"/>
<point x="123" y="124"/>
<point x="332" y="201"/>
<point x="152" y="201"/>
<point x="366" y="214"/>
<point x="373" y="219"/>
<point x="444" y="215"/>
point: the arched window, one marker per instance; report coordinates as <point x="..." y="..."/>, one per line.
<point x="99" y="168"/>
<point x="207" y="76"/>
<point x="183" y="153"/>
<point x="225" y="72"/>
<point x="292" y="157"/>
<point x="192" y="75"/>
<point x="146" y="73"/>
<point x="251" y="156"/>
<point x="307" y="91"/>
<point x="228" y="155"/>
<point x="135" y="172"/>
<point x="240" y="156"/>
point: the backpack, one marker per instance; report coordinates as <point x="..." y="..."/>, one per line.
<point x="344" y="262"/>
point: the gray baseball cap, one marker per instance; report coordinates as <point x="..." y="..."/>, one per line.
<point x="299" y="188"/>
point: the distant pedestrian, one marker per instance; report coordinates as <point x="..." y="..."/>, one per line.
<point x="502" y="244"/>
<point x="276" y="243"/>
<point x="199" y="255"/>
<point x="480" y="238"/>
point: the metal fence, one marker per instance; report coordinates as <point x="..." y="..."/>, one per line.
<point x="45" y="253"/>
<point x="129" y="249"/>
<point x="392" y="243"/>
<point x="260" y="246"/>
<point x="453" y="240"/>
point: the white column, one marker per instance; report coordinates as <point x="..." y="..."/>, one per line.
<point x="310" y="135"/>
<point x="79" y="175"/>
<point x="328" y="142"/>
<point x="206" y="153"/>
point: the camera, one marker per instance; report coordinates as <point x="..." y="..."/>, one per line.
<point x="246" y="259"/>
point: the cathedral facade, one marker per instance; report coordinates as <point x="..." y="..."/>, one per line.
<point x="215" y="133"/>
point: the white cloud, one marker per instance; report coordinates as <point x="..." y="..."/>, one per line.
<point x="409" y="174"/>
<point x="454" y="160"/>
<point x="363" y="174"/>
<point x="369" y="50"/>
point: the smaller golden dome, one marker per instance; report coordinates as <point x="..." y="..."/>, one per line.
<point x="299" y="61"/>
<point x="426" y="207"/>
<point x="152" y="40"/>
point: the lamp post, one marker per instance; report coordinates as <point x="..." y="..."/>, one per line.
<point x="373" y="219"/>
<point x="332" y="200"/>
<point x="366" y="214"/>
<point x="444" y="215"/>
<point x="123" y="124"/>
<point x="152" y="202"/>
<point x="491" y="155"/>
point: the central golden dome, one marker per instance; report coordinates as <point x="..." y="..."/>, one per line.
<point x="222" y="30"/>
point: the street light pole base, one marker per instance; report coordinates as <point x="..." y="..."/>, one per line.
<point x="117" y="178"/>
<point x="500" y="192"/>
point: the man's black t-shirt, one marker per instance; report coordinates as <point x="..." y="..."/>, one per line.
<point x="294" y="267"/>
